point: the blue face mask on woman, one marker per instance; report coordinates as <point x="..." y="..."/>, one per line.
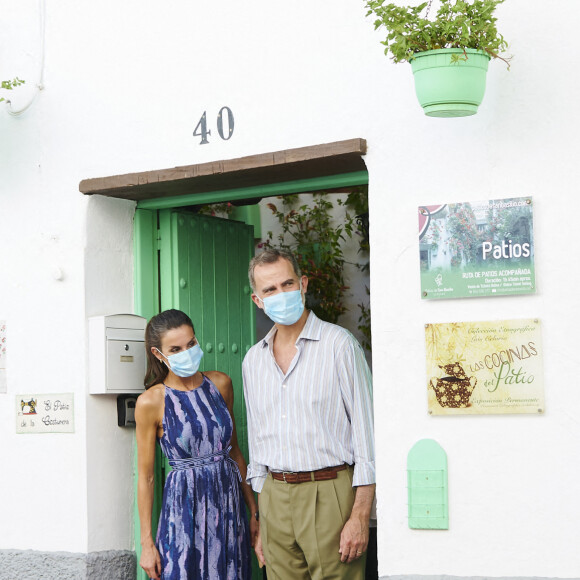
<point x="185" y="363"/>
<point x="284" y="308"/>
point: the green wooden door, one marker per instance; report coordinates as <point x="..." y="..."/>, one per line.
<point x="204" y="272"/>
<point x="199" y="264"/>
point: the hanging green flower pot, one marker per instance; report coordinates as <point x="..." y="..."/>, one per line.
<point x="448" y="85"/>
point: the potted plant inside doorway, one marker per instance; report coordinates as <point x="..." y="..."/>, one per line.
<point x="449" y="55"/>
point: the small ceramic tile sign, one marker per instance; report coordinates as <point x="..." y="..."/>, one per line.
<point x="476" y="249"/>
<point x="3" y="384"/>
<point x="482" y="368"/>
<point x="45" y="413"/>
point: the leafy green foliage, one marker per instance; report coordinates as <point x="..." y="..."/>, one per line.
<point x="358" y="201"/>
<point x="458" y="24"/>
<point x="364" y="322"/>
<point x="222" y="210"/>
<point x="9" y="85"/>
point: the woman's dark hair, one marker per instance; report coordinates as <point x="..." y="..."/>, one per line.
<point x="154" y="333"/>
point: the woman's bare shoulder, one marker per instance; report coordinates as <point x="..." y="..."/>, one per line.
<point x="217" y="377"/>
<point x="151" y="400"/>
<point x="223" y="383"/>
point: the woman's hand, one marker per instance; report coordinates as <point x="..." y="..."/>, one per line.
<point x="254" y="529"/>
<point x="151" y="561"/>
<point x="148" y="416"/>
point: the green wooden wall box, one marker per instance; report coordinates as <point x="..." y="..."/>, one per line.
<point x="427" y="486"/>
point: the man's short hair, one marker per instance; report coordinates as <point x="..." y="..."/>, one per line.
<point x="270" y="256"/>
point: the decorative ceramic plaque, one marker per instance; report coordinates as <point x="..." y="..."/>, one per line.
<point x="45" y="413"/>
<point x="482" y="368"/>
<point x="473" y="249"/>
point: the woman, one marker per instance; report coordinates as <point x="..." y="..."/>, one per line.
<point x="203" y="529"/>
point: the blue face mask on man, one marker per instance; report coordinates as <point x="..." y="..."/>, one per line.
<point x="284" y="308"/>
<point x="185" y="363"/>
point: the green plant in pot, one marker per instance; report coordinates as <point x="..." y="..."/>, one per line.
<point x="449" y="55"/>
<point x="10" y="85"/>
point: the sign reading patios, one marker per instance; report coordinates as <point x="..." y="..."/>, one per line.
<point x="474" y="249"/>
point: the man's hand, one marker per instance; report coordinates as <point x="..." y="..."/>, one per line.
<point x="258" y="550"/>
<point x="354" y="537"/>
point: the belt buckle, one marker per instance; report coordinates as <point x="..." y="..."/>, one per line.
<point x="284" y="475"/>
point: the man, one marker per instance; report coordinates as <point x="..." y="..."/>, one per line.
<point x="310" y="430"/>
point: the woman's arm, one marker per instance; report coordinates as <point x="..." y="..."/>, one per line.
<point x="225" y="387"/>
<point x="147" y="414"/>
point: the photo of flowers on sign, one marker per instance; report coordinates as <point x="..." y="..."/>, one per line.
<point x="482" y="248"/>
<point x="482" y="368"/>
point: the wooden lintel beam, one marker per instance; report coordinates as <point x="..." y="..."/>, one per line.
<point x="325" y="159"/>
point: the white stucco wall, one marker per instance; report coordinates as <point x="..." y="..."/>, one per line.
<point x="511" y="487"/>
<point x="110" y="449"/>
<point x="126" y="83"/>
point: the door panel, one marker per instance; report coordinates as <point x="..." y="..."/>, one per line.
<point x="203" y="271"/>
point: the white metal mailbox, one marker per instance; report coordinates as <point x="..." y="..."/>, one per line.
<point x="117" y="361"/>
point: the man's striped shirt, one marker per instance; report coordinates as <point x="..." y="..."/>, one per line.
<point x="317" y="415"/>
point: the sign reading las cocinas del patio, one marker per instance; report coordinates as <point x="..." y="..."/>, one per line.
<point x="484" y="367"/>
<point x="474" y="249"/>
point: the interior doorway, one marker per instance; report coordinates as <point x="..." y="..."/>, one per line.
<point x="201" y="268"/>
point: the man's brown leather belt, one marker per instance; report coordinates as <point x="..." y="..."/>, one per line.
<point x="303" y="476"/>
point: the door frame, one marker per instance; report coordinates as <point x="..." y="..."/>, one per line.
<point x="146" y="247"/>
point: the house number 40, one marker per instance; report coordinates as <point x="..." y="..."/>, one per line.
<point x="225" y="126"/>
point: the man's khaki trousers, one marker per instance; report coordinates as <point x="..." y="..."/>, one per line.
<point x="300" y="526"/>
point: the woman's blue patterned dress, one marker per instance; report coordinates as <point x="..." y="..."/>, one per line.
<point x="203" y="529"/>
